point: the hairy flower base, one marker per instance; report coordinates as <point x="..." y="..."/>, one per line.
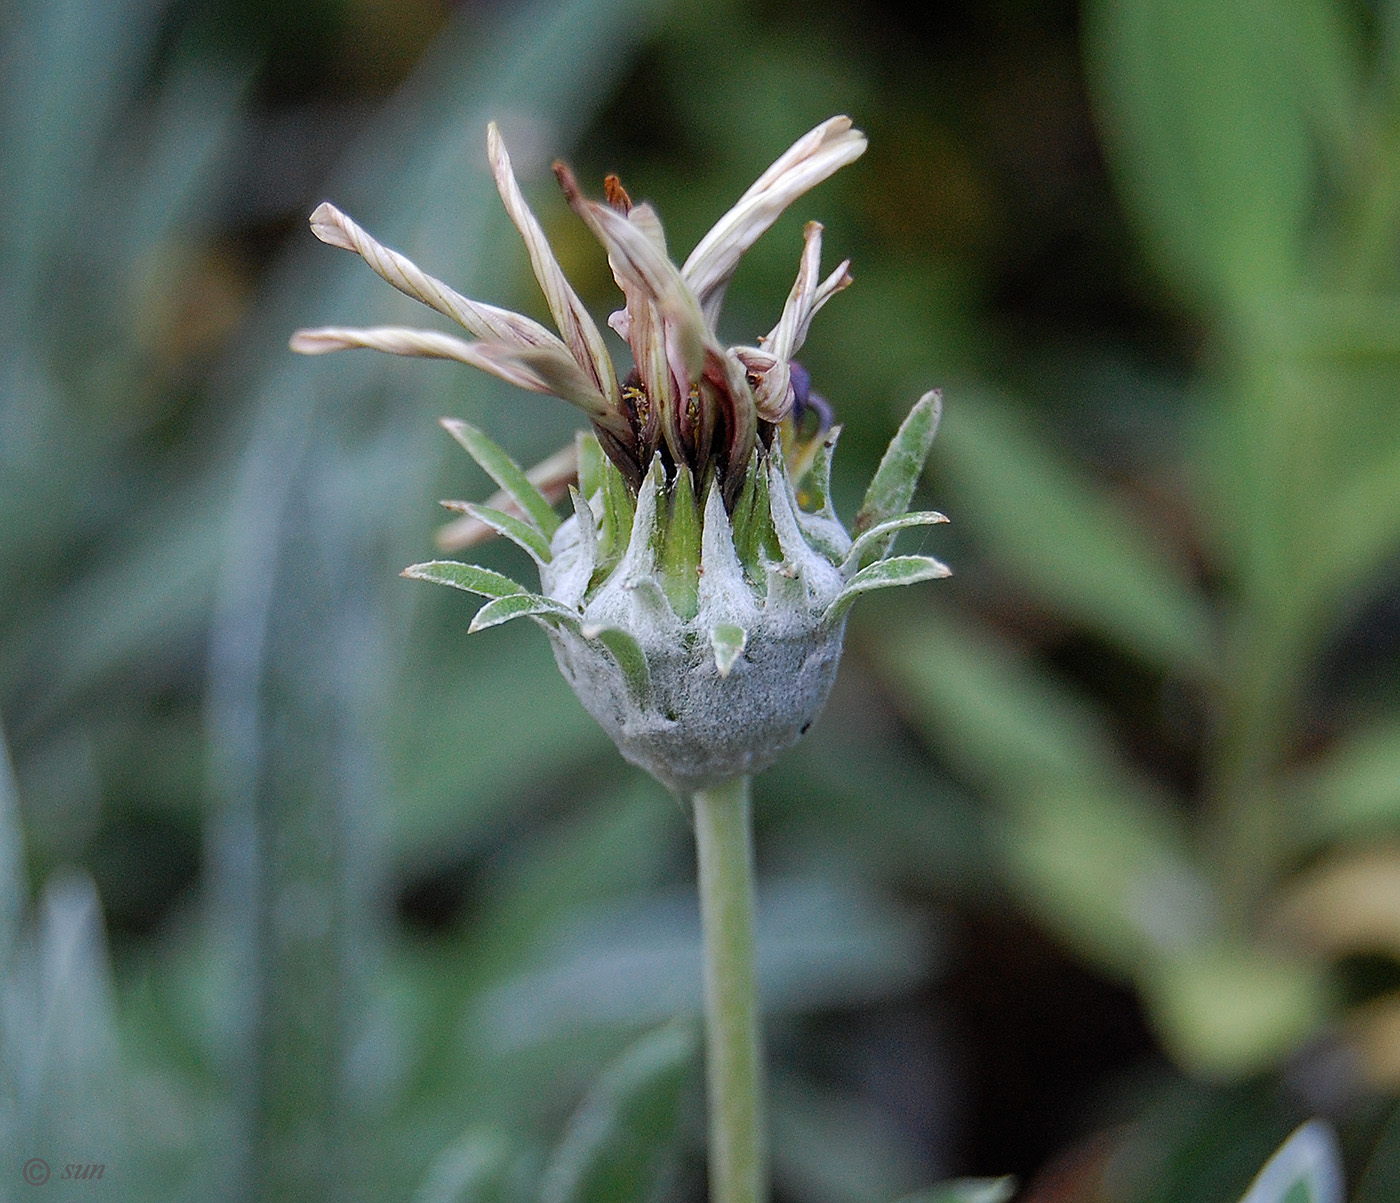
<point x="704" y="640"/>
<point x="696" y="728"/>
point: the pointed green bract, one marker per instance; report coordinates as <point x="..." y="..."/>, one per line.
<point x="754" y="537"/>
<point x="884" y="574"/>
<point x="523" y="534"/>
<point x="587" y="528"/>
<point x="590" y="463"/>
<point x="893" y="486"/>
<point x="814" y="489"/>
<point x="506" y="473"/>
<point x="866" y="549"/>
<point x="521" y="605"/>
<point x="618" y="512"/>
<point x="630" y="659"/>
<point x="728" y="642"/>
<point x="680" y="552"/>
<point x="467" y="577"/>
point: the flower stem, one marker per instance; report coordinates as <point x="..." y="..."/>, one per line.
<point x="738" y="1171"/>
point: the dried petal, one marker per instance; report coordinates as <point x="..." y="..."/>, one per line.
<point x="806" y="163"/>
<point x="570" y="316"/>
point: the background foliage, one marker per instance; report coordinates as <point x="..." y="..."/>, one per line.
<point x="1088" y="873"/>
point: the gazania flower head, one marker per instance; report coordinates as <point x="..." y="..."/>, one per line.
<point x="696" y="608"/>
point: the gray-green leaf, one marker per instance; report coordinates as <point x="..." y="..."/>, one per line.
<point x="893" y="485"/>
<point x="521" y="605"/>
<point x="468" y="577"/>
<point x="884" y="574"/>
<point x="524" y="535"/>
<point x="505" y="472"/>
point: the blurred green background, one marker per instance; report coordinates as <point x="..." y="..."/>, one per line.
<point x="1091" y="871"/>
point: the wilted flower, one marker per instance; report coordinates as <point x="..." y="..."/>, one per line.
<point x="694" y="605"/>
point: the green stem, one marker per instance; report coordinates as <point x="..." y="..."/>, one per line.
<point x="738" y="1171"/>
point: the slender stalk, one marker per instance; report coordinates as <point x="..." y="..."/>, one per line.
<point x="733" y="1069"/>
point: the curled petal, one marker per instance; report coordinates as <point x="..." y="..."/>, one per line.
<point x="573" y="320"/>
<point x="807" y="296"/>
<point x="332" y="226"/>
<point x="541" y="370"/>
<point x="810" y="160"/>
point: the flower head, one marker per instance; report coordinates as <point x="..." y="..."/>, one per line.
<point x="696" y="608"/>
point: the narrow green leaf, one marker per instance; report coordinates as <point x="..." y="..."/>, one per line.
<point x="680" y="550"/>
<point x="629" y="656"/>
<point x="468" y="577"/>
<point x="892" y="487"/>
<point x="1070" y="541"/>
<point x="1307" y="1169"/>
<point x="856" y="557"/>
<point x="884" y="574"/>
<point x="728" y="642"/>
<point x="521" y="605"/>
<point x="523" y="534"/>
<point x="505" y="472"/>
<point x="618" y="1145"/>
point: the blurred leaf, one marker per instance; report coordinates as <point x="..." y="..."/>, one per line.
<point x="12" y="873"/>
<point x="1225" y="1010"/>
<point x="1111" y="872"/>
<point x="1069" y="541"/>
<point x="477" y="1169"/>
<point x="830" y="1147"/>
<point x="472" y="744"/>
<point x="1355" y="788"/>
<point x="61" y="1033"/>
<point x="1380" y="1180"/>
<point x="617" y="1146"/>
<point x="1204" y="1144"/>
<point x="71" y="66"/>
<point x="967" y="1190"/>
<point x="1207" y="135"/>
<point x="821" y="944"/>
<point x="995" y="718"/>
<point x="1307" y="1169"/>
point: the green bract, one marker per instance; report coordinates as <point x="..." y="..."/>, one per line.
<point x="705" y="642"/>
